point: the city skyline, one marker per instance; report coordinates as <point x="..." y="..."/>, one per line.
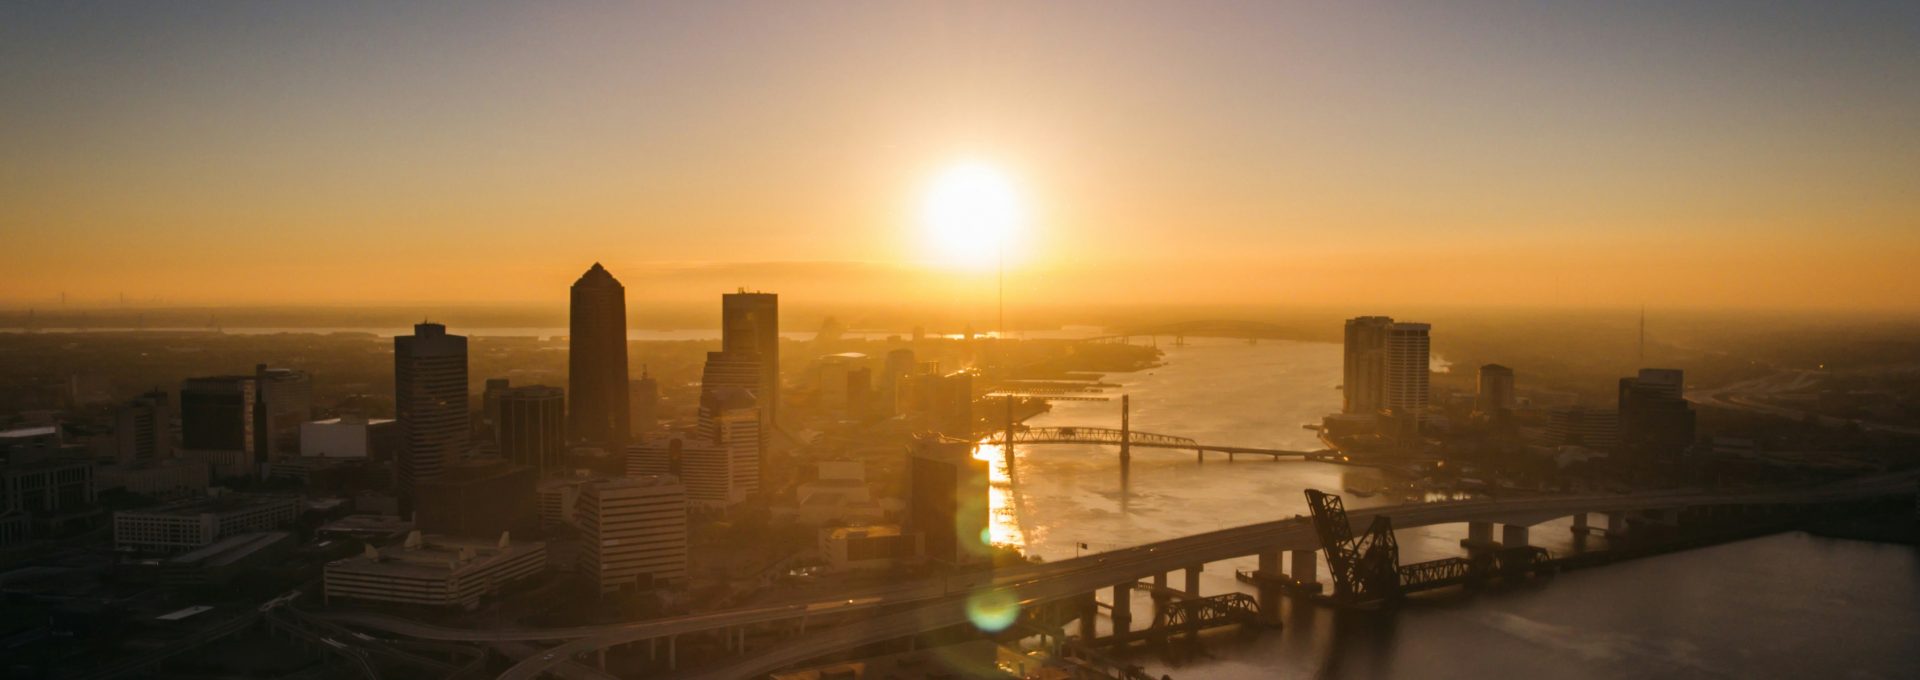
<point x="1699" y="154"/>
<point x="1122" y="340"/>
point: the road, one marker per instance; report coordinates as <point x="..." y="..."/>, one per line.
<point x="1748" y="395"/>
<point x="942" y="602"/>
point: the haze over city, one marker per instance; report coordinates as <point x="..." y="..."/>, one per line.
<point x="1706" y="154"/>
<point x="985" y="340"/>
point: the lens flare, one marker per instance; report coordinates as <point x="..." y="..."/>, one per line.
<point x="993" y="611"/>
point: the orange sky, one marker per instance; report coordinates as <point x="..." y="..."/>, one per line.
<point x="1705" y="154"/>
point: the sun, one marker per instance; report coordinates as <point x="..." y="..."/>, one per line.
<point x="971" y="212"/>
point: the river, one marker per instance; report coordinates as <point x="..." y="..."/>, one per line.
<point x="1785" y="606"/>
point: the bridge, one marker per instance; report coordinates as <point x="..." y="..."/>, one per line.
<point x="1206" y="328"/>
<point x="886" y="613"/>
<point x="1080" y="434"/>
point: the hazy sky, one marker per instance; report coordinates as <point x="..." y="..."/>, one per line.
<point x="1708" y="153"/>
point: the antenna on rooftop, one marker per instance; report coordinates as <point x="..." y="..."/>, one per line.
<point x="1643" y="335"/>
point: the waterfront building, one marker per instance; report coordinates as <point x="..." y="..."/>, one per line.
<point x="597" y="359"/>
<point x="1408" y="366"/>
<point x="634" y="532"/>
<point x="1597" y="429"/>
<point x="1364" y="372"/>
<point x="947" y="501"/>
<point x="1655" y="419"/>
<point x="430" y="398"/>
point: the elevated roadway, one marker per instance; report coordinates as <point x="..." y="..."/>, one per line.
<point x="936" y="603"/>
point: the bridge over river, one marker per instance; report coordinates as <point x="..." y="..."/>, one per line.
<point x="931" y="604"/>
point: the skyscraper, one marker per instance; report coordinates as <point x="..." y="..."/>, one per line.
<point x="1408" y="365"/>
<point x="597" y="359"/>
<point x="140" y="429"/>
<point x="750" y="323"/>
<point x="947" y="499"/>
<point x="430" y="398"/>
<point x="643" y="404"/>
<point x="730" y="419"/>
<point x="1365" y="374"/>
<point x="1496" y="391"/>
<point x="284" y="401"/>
<point x="217" y="421"/>
<point x="532" y="425"/>
<point x="1655" y="419"/>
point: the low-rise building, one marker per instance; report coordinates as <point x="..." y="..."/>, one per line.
<point x="185" y="525"/>
<point x="868" y="547"/>
<point x="434" y="571"/>
<point x="350" y="437"/>
<point x="221" y="560"/>
<point x="163" y="479"/>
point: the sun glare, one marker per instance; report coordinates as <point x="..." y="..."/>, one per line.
<point x="971" y="211"/>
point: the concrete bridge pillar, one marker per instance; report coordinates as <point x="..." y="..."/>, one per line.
<point x="1122" y="612"/>
<point x="1193" y="579"/>
<point x="1089" y="611"/>
<point x="1616" y="524"/>
<point x="1513" y="535"/>
<point x="1479" y="535"/>
<point x="1306" y="567"/>
<point x="1580" y="527"/>
<point x="1159" y="594"/>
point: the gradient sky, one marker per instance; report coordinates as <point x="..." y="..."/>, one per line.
<point x="1735" y="154"/>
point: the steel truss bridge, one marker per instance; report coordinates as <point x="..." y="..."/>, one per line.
<point x="1206" y="328"/>
<point x="1132" y="438"/>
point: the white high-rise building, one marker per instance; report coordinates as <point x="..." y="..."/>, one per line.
<point x="710" y="472"/>
<point x="730" y="418"/>
<point x="430" y="397"/>
<point x="1365" y="375"/>
<point x="634" y="531"/>
<point x="1405" y="395"/>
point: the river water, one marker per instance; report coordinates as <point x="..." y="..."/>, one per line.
<point x="1785" y="606"/>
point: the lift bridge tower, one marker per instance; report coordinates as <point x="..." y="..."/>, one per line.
<point x="1366" y="569"/>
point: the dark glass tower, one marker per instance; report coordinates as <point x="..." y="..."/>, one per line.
<point x="597" y="360"/>
<point x="750" y="324"/>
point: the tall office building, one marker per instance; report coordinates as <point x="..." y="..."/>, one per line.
<point x="1655" y="419"/>
<point x="1365" y="374"/>
<point x="142" y="429"/>
<point x="597" y="359"/>
<point x="643" y="404"/>
<point x="947" y="499"/>
<point x="1496" y="391"/>
<point x="532" y="426"/>
<point x="634" y="532"/>
<point x="1408" y="365"/>
<point x="217" y="421"/>
<point x="430" y="398"/>
<point x="284" y="401"/>
<point x="750" y="324"/>
<point x="730" y="419"/>
<point x="710" y="472"/>
<point x="477" y="497"/>
<point x="490" y="408"/>
<point x="899" y="365"/>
